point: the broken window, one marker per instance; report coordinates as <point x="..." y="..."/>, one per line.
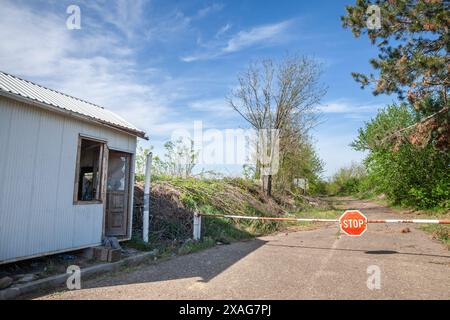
<point x="89" y="170"/>
<point x="117" y="171"/>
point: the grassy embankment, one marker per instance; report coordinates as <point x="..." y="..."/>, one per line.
<point x="223" y="196"/>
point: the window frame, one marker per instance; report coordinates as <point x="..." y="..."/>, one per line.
<point x="100" y="183"/>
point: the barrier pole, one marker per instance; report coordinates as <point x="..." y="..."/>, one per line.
<point x="146" y="213"/>
<point x="197" y="230"/>
<point x="425" y="221"/>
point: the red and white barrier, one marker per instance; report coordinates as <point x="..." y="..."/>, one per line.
<point x="322" y="220"/>
<point x="410" y="221"/>
<point x="266" y="218"/>
<point x="197" y="220"/>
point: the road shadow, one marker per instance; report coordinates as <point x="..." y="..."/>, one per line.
<point x="206" y="265"/>
<point x="381" y="252"/>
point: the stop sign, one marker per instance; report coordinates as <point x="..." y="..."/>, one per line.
<point x="353" y="223"/>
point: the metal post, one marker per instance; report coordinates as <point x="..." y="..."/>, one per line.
<point x="146" y="214"/>
<point x="197" y="233"/>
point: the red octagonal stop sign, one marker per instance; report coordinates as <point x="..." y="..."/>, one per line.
<point x="353" y="222"/>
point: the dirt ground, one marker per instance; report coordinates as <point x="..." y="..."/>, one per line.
<point x="315" y="264"/>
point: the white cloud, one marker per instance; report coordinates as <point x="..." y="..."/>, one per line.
<point x="222" y="30"/>
<point x="166" y="128"/>
<point x="168" y="26"/>
<point x="215" y="7"/>
<point x="216" y="105"/>
<point x="95" y="66"/>
<point x="265" y="35"/>
<point x="126" y="16"/>
<point x="31" y="43"/>
<point x="192" y="58"/>
<point x="349" y="107"/>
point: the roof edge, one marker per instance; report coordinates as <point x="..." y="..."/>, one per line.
<point x="53" y="90"/>
<point x="49" y="107"/>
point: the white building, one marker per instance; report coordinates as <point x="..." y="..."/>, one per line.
<point x="66" y="172"/>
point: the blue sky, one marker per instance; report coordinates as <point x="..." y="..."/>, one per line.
<point x="164" y="64"/>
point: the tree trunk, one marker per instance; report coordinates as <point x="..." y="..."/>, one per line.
<point x="258" y="170"/>
<point x="267" y="185"/>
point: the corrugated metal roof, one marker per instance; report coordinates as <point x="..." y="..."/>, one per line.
<point x="19" y="88"/>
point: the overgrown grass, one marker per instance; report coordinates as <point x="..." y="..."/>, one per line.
<point x="331" y="213"/>
<point x="195" y="246"/>
<point x="165" y="249"/>
<point x="439" y="232"/>
<point x="227" y="230"/>
<point x="224" y="196"/>
<point x="137" y="243"/>
<point x="431" y="212"/>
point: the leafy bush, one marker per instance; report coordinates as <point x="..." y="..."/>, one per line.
<point x="407" y="174"/>
<point x="347" y="180"/>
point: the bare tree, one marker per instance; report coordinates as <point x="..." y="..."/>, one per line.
<point x="278" y="96"/>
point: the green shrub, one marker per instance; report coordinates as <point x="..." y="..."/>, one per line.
<point x="407" y="174"/>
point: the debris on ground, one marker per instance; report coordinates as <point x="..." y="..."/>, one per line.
<point x="27" y="278"/>
<point x="67" y="257"/>
<point x="38" y="268"/>
<point x="111" y="242"/>
<point x="5" y="282"/>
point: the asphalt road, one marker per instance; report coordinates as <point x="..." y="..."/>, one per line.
<point x="317" y="264"/>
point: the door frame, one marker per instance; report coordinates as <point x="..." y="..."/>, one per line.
<point x="130" y="188"/>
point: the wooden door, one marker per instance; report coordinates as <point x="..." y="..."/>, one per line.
<point x="117" y="193"/>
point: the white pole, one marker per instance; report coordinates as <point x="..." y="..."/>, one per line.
<point x="197" y="232"/>
<point x="146" y="215"/>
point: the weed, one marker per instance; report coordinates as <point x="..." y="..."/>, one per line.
<point x="439" y="232"/>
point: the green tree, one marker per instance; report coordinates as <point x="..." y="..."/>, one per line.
<point x="298" y="160"/>
<point x="413" y="60"/>
<point x="347" y="180"/>
<point x="407" y="174"/>
<point x="179" y="160"/>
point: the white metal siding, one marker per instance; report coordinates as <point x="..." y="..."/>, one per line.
<point x="37" y="172"/>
